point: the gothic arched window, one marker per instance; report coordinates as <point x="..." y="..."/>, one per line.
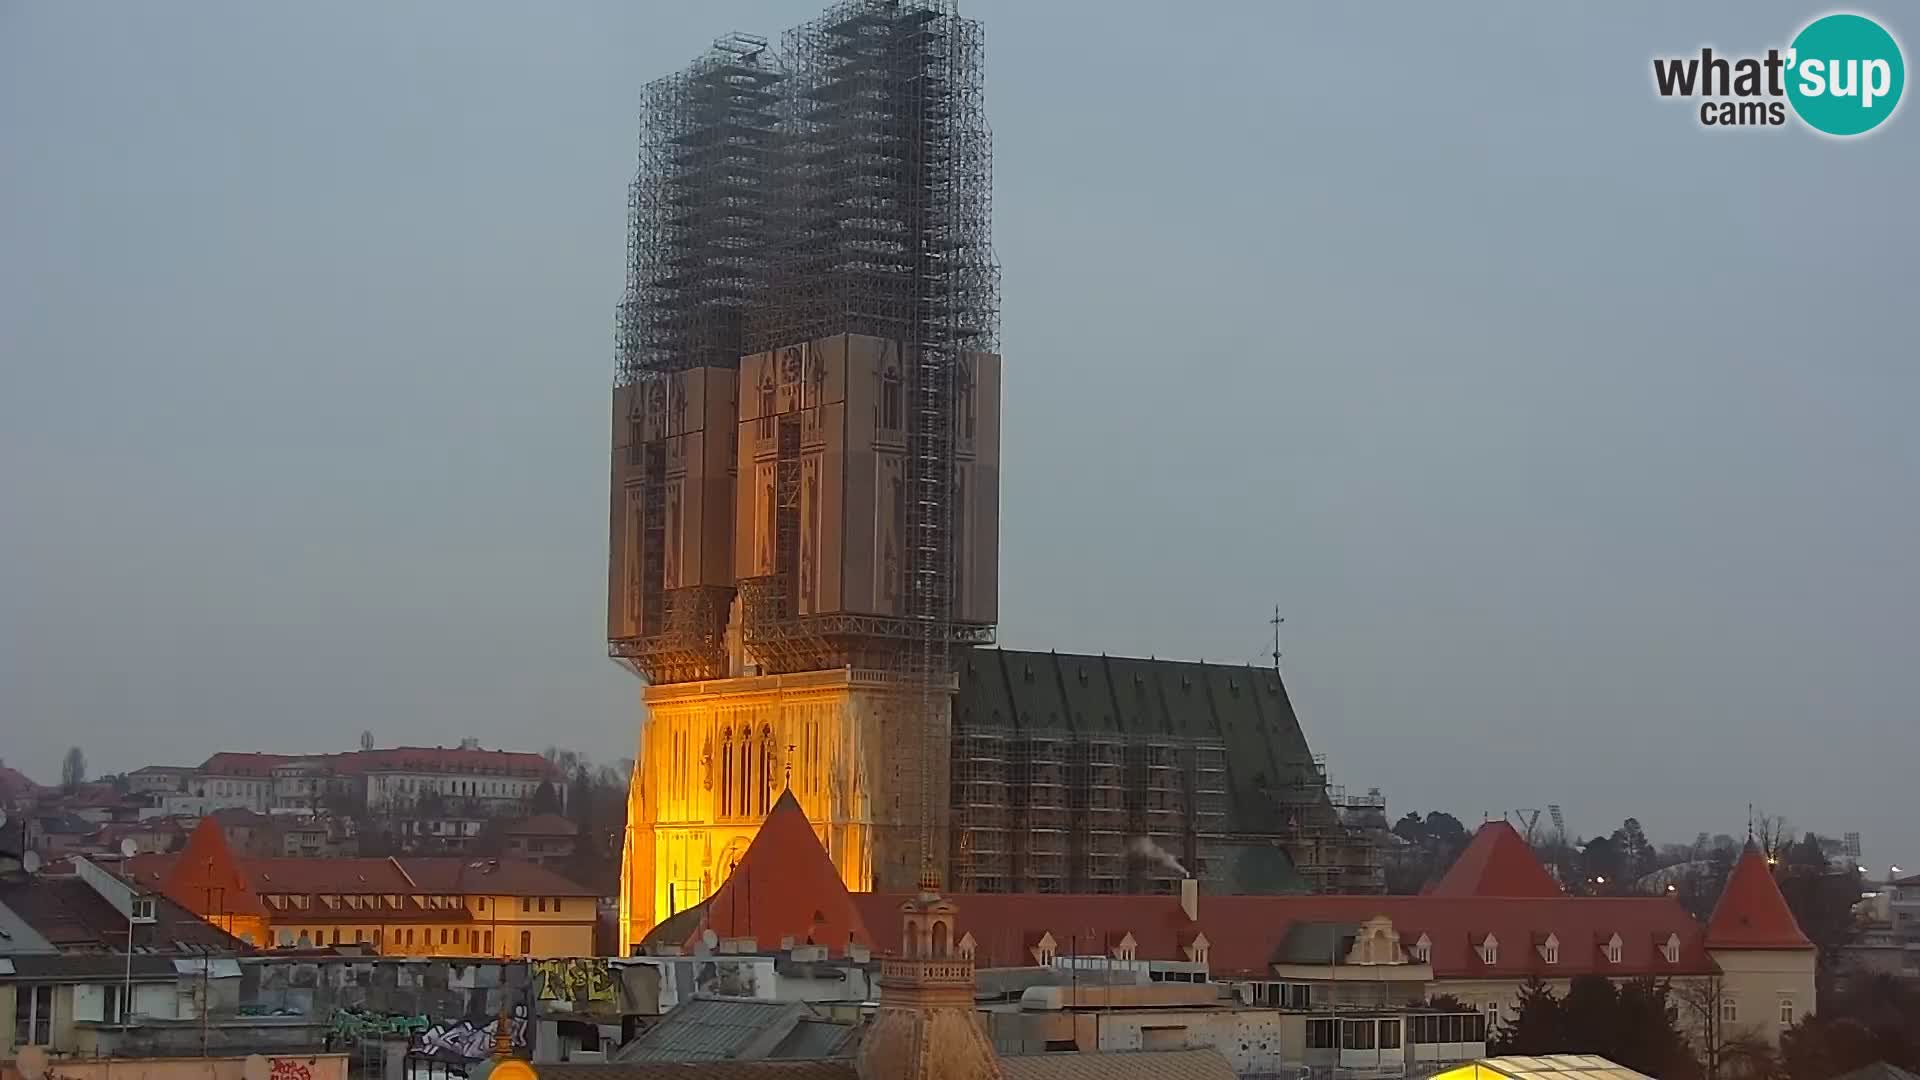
<point x="890" y="400"/>
<point x="726" y="772"/>
<point x="766" y="770"/>
<point x="745" y="772"/>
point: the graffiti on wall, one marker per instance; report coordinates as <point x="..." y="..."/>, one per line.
<point x="727" y="979"/>
<point x="354" y="1025"/>
<point x="573" y="979"/>
<point x="289" y="1069"/>
<point x="468" y="1040"/>
<point x="461" y="1040"/>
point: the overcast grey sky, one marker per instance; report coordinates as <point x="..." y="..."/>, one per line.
<point x="1576" y="442"/>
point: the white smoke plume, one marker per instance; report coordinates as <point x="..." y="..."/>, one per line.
<point x="1147" y="849"/>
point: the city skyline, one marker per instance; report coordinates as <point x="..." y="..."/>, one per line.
<point x="304" y="412"/>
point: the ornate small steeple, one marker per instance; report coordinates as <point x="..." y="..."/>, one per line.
<point x="503" y="1031"/>
<point x="926" y="1028"/>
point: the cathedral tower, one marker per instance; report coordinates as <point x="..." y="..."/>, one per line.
<point x="804" y="512"/>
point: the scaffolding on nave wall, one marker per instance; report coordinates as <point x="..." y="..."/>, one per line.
<point x="1059" y="811"/>
<point x="1333" y="838"/>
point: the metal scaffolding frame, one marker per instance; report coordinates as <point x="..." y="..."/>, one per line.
<point x="1059" y="811"/>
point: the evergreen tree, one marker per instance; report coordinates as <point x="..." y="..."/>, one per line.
<point x="545" y="799"/>
<point x="1537" y="1024"/>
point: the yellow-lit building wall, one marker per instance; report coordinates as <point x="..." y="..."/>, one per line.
<point x="498" y="926"/>
<point x="715" y="755"/>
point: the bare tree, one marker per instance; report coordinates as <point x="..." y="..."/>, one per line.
<point x="73" y="770"/>
<point x="1773" y="833"/>
<point x="1728" y="1049"/>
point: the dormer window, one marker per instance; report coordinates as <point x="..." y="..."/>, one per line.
<point x="1550" y="949"/>
<point x="1671" y="950"/>
<point x="1613" y="949"/>
<point x="1125" y="948"/>
<point x="1423" y="950"/>
<point x="965" y="946"/>
<point x="1490" y="951"/>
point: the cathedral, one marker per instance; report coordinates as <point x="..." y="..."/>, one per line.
<point x="804" y="520"/>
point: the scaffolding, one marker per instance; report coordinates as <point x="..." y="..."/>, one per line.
<point x="698" y="211"/>
<point x="698" y="217"/>
<point x="880" y="204"/>
<point x="1072" y="812"/>
<point x="1330" y="836"/>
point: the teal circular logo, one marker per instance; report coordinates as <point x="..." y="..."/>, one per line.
<point x="1846" y="74"/>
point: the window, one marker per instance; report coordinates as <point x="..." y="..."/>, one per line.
<point x="526" y="943"/>
<point x="487" y="939"/>
<point x="473" y="944"/>
<point x="33" y="1014"/>
<point x="1433" y="1028"/>
<point x="556" y="905"/>
<point x="1357" y="1034"/>
<point x="359" y="936"/>
<point x="1729" y="1011"/>
<point x="1297" y="996"/>
<point x="526" y="903"/>
<point x="443" y="935"/>
<point x="1550" y="951"/>
<point x="543" y="903"/>
<point x="1671" y="950"/>
<point x="1323" y="1035"/>
<point x="483" y="903"/>
<point x="1389" y="1034"/>
<point x="1786" y="1012"/>
<point x="1493" y="1015"/>
<point x="1613" y="949"/>
<point x="118" y="1007"/>
<point x="1423" y="950"/>
<point x="1490" y="951"/>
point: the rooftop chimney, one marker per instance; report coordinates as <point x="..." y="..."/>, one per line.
<point x="1190" y="898"/>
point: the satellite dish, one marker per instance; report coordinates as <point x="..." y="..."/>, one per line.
<point x="255" y="1068"/>
<point x="30" y="862"/>
<point x="32" y="1062"/>
<point x="129" y="848"/>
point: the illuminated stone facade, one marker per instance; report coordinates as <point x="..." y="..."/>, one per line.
<point x="716" y="755"/>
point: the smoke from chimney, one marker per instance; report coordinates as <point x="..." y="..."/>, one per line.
<point x="1147" y="849"/>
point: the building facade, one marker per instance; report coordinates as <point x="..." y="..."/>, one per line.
<point x="450" y="906"/>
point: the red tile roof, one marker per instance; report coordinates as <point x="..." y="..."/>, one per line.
<point x="1244" y="932"/>
<point x="1498" y="862"/>
<point x="394" y="759"/>
<point x="438" y="759"/>
<point x="230" y="764"/>
<point x="443" y="876"/>
<point x="786" y="886"/>
<point x="1751" y="913"/>
<point x="16" y="787"/>
<point x="204" y="877"/>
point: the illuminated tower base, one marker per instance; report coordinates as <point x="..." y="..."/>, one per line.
<point x="715" y="755"/>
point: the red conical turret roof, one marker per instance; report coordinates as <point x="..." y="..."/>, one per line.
<point x="1497" y="863"/>
<point x="1751" y="913"/>
<point x="786" y="886"/>
<point x="206" y="879"/>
